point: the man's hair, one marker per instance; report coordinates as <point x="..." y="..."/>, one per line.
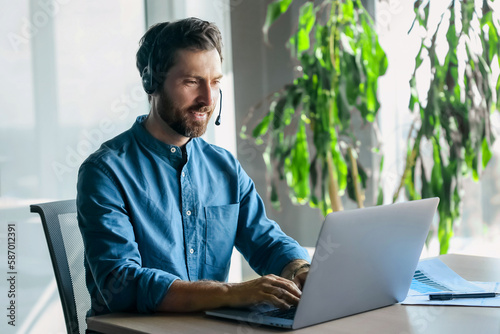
<point x="162" y="40"/>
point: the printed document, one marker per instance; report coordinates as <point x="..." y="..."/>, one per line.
<point x="433" y="276"/>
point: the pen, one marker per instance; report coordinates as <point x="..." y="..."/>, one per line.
<point x="449" y="296"/>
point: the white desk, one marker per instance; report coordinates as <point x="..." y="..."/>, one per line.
<point x="397" y="319"/>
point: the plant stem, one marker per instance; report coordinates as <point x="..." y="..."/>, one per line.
<point x="360" y="197"/>
<point x="410" y="160"/>
<point x="333" y="187"/>
<point x="333" y="36"/>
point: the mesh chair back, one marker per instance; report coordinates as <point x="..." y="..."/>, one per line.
<point x="66" y="253"/>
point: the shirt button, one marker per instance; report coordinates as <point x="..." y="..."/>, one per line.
<point x="183" y="174"/>
<point x="191" y="251"/>
<point x="172" y="150"/>
<point x="188" y="213"/>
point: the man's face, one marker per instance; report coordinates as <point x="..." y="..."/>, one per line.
<point x="190" y="92"/>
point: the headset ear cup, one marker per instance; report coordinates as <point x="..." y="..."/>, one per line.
<point x="150" y="79"/>
<point x="147" y="80"/>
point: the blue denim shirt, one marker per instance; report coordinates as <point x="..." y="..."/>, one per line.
<point x="151" y="213"/>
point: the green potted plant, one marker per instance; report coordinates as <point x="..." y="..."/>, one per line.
<point x="308" y="129"/>
<point x="453" y="115"/>
<point x="311" y="141"/>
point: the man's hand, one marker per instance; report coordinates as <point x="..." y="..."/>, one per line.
<point x="296" y="271"/>
<point x="203" y="295"/>
<point x="300" y="277"/>
<point x="270" y="289"/>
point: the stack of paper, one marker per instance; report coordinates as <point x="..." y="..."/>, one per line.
<point x="433" y="276"/>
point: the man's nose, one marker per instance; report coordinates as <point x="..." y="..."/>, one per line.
<point x="207" y="95"/>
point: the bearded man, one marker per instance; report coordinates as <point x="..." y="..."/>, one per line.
<point x="160" y="209"/>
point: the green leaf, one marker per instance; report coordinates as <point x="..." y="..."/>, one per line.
<point x="300" y="40"/>
<point x="426" y="188"/>
<point x="371" y="99"/>
<point x="451" y="34"/>
<point x="456" y="203"/>
<point x="351" y="82"/>
<point x="475" y="171"/>
<point x="493" y="40"/>
<point x="313" y="172"/>
<point x="263" y="126"/>
<point x="280" y="119"/>
<point x="413" y="94"/>
<point x="485" y="153"/>
<point x="493" y="44"/>
<point x="419" y="59"/>
<point x="380" y="197"/>
<point x="363" y="176"/>
<point x="243" y="132"/>
<point x="426" y="10"/>
<point x="275" y="201"/>
<point x="274" y="11"/>
<point x="383" y="61"/>
<point x="445" y="232"/>
<point x="324" y="192"/>
<point x="347" y="10"/>
<point x="436" y="175"/>
<point x="297" y="167"/>
<point x="306" y="23"/>
<point x="468" y="12"/>
<point x="338" y="161"/>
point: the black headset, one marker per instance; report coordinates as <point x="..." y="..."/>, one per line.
<point x="217" y="120"/>
<point x="150" y="84"/>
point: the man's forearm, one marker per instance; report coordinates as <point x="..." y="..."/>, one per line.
<point x="185" y="296"/>
<point x="194" y="296"/>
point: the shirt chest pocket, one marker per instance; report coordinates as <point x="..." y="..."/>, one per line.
<point x="222" y="222"/>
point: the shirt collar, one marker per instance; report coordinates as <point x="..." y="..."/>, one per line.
<point x="171" y="152"/>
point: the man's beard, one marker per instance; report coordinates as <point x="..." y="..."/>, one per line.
<point x="179" y="119"/>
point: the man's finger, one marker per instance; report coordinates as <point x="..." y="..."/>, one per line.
<point x="288" y="286"/>
<point x="285" y="295"/>
<point x="300" y="279"/>
<point x="279" y="302"/>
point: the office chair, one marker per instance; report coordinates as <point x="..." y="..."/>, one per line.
<point x="66" y="253"/>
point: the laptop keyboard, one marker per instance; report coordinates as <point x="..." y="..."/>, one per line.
<point x="283" y="314"/>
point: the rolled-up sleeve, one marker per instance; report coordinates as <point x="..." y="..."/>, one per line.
<point x="114" y="268"/>
<point x="260" y="240"/>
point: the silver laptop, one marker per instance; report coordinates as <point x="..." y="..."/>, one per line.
<point x="364" y="259"/>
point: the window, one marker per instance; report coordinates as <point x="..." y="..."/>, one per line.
<point x="478" y="231"/>
<point x="69" y="83"/>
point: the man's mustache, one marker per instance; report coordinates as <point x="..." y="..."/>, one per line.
<point x="201" y="108"/>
